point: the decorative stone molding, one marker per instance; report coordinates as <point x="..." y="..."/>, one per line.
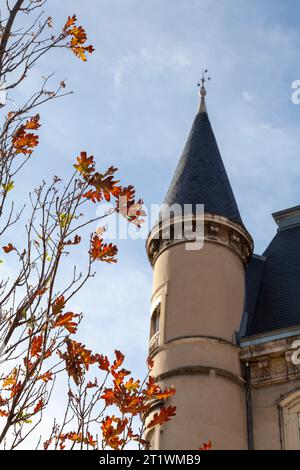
<point x="199" y="370"/>
<point x="217" y="229"/>
<point x="271" y="362"/>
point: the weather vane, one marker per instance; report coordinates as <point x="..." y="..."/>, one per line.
<point x="204" y="77"/>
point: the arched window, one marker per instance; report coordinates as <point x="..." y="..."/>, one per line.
<point x="155" y="319"/>
<point x="155" y="326"/>
<point x="289" y="407"/>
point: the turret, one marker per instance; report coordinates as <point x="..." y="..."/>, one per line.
<point x="197" y="301"/>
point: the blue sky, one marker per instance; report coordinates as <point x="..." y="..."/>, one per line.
<point x="134" y="103"/>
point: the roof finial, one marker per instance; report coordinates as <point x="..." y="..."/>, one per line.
<point x="202" y="92"/>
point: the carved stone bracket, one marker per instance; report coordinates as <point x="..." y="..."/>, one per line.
<point x="271" y="362"/>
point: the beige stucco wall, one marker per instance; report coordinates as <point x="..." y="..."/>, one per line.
<point x="208" y="408"/>
<point x="266" y="419"/>
<point x="202" y="297"/>
<point x="205" y="290"/>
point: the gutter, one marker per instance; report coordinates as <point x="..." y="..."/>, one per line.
<point x="250" y="438"/>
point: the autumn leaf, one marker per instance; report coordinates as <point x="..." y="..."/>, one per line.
<point x="90" y="440"/>
<point x="77" y="359"/>
<point x="132" y="385"/>
<point x="93" y="195"/>
<point x="150" y="362"/>
<point x="91" y="384"/>
<point x="8" y="248"/>
<point x="111" y="428"/>
<point x="38" y="406"/>
<point x="65" y="320"/>
<point x="206" y="446"/>
<point x="23" y="141"/>
<point x="45" y="377"/>
<point x="128" y="207"/>
<point x="33" y="123"/>
<point x="119" y="360"/>
<point x="100" y="251"/>
<point x="163" y="395"/>
<point x="36" y="346"/>
<point x="77" y="38"/>
<point x="71" y="20"/>
<point x="10" y="383"/>
<point x="3" y="413"/>
<point x="103" y="362"/>
<point x="85" y="165"/>
<point x="40" y="292"/>
<point x="162" y="416"/>
<point x="152" y="387"/>
<point x="58" y="305"/>
<point x="108" y="396"/>
<point x="10" y="380"/>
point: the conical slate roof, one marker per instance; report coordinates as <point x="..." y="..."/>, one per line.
<point x="200" y="177"/>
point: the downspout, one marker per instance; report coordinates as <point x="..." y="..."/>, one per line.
<point x="249" y="407"/>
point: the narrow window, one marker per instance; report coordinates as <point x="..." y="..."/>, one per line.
<point x="155" y="320"/>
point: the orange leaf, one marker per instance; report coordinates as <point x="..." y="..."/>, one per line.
<point x="163" y="416"/>
<point x="24" y="142"/>
<point x="33" y="123"/>
<point x="108" y="396"/>
<point x="85" y="165"/>
<point x="71" y="20"/>
<point x="163" y="395"/>
<point x="10" y="380"/>
<point x="93" y="196"/>
<point x="36" y="346"/>
<point x="8" y="248"/>
<point x="3" y="413"/>
<point x="111" y="433"/>
<point x="58" y="305"/>
<point x="65" y="320"/>
<point x="119" y="359"/>
<point x="45" y="377"/>
<point x="132" y="385"/>
<point x="100" y="251"/>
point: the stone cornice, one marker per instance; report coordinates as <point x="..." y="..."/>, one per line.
<point x="217" y="229"/>
<point x="271" y="362"/>
<point x="200" y="369"/>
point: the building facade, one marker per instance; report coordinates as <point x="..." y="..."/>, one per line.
<point x="224" y="321"/>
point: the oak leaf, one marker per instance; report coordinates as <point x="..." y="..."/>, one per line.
<point x="162" y="416"/>
<point x="65" y="320"/>
<point x="100" y="251"/>
<point x="36" y="345"/>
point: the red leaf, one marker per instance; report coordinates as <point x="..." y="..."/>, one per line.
<point x="38" y="406"/>
<point x="206" y="446"/>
